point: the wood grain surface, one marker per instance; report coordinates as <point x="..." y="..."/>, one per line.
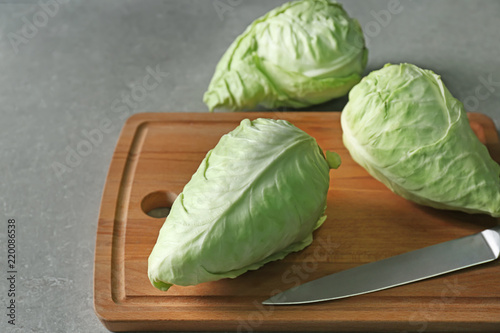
<point x="155" y="157"/>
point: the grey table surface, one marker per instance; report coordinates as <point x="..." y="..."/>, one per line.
<point x="65" y="64"/>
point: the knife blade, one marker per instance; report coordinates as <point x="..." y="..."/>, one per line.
<point x="405" y="268"/>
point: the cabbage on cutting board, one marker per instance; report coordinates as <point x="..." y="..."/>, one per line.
<point x="256" y="197"/>
<point x="406" y="129"/>
<point x="302" y="53"/>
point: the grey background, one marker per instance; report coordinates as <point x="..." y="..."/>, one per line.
<point x="65" y="78"/>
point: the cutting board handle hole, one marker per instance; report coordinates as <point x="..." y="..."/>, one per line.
<point x="157" y="204"/>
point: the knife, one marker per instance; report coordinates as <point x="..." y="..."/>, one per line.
<point x="398" y="270"/>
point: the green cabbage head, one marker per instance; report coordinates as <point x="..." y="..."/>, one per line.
<point x="406" y="129"/>
<point x="256" y="197"/>
<point x="302" y="53"/>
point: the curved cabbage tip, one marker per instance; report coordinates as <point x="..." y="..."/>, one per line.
<point x="406" y="129"/>
<point x="300" y="54"/>
<point x="257" y="196"/>
<point x="333" y="159"/>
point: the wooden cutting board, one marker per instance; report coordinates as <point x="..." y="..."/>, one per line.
<point x="156" y="155"/>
